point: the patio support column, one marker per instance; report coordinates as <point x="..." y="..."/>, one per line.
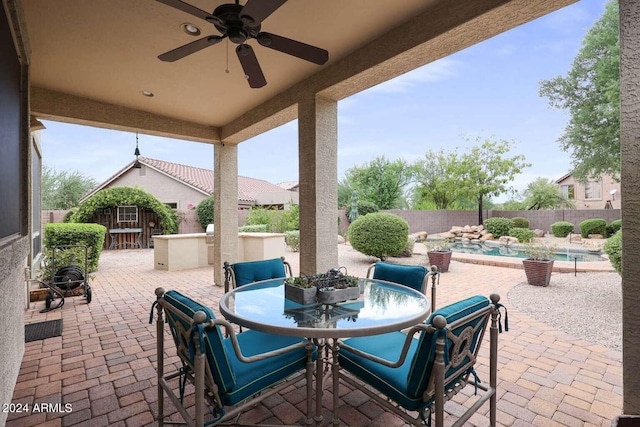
<point x="630" y="189"/>
<point x="318" y="165"/>
<point x="225" y="210"/>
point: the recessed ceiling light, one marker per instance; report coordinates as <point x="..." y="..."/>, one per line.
<point x="190" y="29"/>
<point x="147" y="93"/>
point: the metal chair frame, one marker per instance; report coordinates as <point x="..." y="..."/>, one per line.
<point x="440" y="375"/>
<point x="198" y="371"/>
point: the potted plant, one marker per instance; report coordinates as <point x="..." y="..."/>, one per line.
<point x="538" y="264"/>
<point x="323" y="288"/>
<point x="439" y="253"/>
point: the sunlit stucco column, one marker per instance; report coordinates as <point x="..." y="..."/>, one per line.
<point x="318" y="158"/>
<point x="225" y="211"/>
<point x="630" y="185"/>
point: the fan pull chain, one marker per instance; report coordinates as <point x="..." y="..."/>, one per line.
<point x="227" y="69"/>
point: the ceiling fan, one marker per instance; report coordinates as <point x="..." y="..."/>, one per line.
<point x="240" y="23"/>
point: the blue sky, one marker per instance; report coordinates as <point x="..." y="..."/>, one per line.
<point x="490" y="89"/>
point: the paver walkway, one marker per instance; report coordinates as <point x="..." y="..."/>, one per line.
<point x="104" y="363"/>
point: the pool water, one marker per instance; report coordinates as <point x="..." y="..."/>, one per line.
<point x="480" y="249"/>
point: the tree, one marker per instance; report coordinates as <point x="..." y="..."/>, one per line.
<point x="438" y="179"/>
<point x="63" y="190"/>
<point x="345" y="191"/>
<point x="381" y="181"/>
<point x="486" y="173"/>
<point x="591" y="94"/>
<point x="543" y="193"/>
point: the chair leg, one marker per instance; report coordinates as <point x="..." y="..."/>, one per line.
<point x="160" y="361"/>
<point x="309" y="348"/>
<point x="493" y="366"/>
<point x="335" y="372"/>
<point x="438" y="367"/>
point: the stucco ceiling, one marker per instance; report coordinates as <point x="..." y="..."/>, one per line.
<point x="106" y="51"/>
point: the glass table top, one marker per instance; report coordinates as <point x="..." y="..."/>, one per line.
<point x="381" y="307"/>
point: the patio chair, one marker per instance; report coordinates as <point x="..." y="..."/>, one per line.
<point x="243" y="273"/>
<point x="230" y="374"/>
<point x="421" y="374"/>
<point x="413" y="276"/>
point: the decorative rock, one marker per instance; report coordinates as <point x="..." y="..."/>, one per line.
<point x="422" y="236"/>
<point x="574" y="237"/>
<point x="507" y="240"/>
<point x="447" y="235"/>
<point x="593" y="246"/>
<point x="486" y="236"/>
<point x="596" y="236"/>
<point x="340" y="239"/>
<point x="538" y="232"/>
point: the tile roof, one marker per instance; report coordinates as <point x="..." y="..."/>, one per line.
<point x="202" y="179"/>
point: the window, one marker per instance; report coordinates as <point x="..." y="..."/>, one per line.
<point x="172" y="205"/>
<point x="127" y="214"/>
<point x="593" y="190"/>
<point x="568" y="191"/>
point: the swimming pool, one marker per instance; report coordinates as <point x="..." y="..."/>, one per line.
<point x="515" y="252"/>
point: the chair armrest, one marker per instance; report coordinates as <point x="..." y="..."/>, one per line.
<point x="236" y="345"/>
<point x="287" y="267"/>
<point x="370" y="269"/>
<point x="403" y="354"/>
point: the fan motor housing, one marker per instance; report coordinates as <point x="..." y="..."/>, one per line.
<point x="237" y="30"/>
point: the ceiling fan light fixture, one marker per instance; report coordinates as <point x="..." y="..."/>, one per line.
<point x="190" y="29"/>
<point x="147" y="93"/>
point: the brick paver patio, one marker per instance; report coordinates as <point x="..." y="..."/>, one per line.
<point x="103" y="365"/>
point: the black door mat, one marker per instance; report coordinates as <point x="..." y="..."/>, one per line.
<point x="42" y="330"/>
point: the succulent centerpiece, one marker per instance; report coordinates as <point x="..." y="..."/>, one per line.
<point x="324" y="288"/>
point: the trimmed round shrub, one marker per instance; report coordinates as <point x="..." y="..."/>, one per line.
<point x="519" y="222"/>
<point x="613" y="227"/>
<point x="408" y="248"/>
<point x="613" y="248"/>
<point x="522" y="234"/>
<point x="593" y="226"/>
<point x="204" y="211"/>
<point x="379" y="234"/>
<point x="364" y="207"/>
<point x="498" y="226"/>
<point x="562" y="228"/>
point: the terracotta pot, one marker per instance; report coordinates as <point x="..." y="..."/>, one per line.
<point x="538" y="272"/>
<point x="440" y="259"/>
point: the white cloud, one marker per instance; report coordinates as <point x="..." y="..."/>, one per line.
<point x="430" y="73"/>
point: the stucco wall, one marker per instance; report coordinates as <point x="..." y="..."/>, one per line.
<point x="582" y="203"/>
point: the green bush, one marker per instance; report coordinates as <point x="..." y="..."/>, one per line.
<point x="613" y="227"/>
<point x="67" y="217"/>
<point x="522" y="234"/>
<point x="204" y="211"/>
<point x="126" y="196"/>
<point x="498" y="226"/>
<point x="519" y="222"/>
<point x="257" y="228"/>
<point x="90" y="235"/>
<point x="408" y="248"/>
<point x="379" y="234"/>
<point x="364" y="207"/>
<point x="613" y="248"/>
<point x="562" y="228"/>
<point x="287" y="220"/>
<point x="593" y="226"/>
<point x="261" y="216"/>
<point x="292" y="239"/>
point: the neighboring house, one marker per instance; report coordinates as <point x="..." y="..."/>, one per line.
<point x="289" y="185"/>
<point x="183" y="187"/>
<point x="595" y="194"/>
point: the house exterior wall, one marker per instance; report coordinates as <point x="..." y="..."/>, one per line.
<point x="16" y="236"/>
<point x="607" y="184"/>
<point x="164" y="188"/>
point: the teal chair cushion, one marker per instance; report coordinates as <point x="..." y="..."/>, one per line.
<point x="252" y="378"/>
<point x="408" y="275"/>
<point x="255" y="271"/>
<point x="238" y="380"/>
<point x="217" y="359"/>
<point x="407" y="383"/>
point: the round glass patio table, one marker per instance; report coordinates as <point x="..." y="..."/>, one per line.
<point x="382" y="307"/>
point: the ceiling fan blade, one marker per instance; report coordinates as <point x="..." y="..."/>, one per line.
<point x="188" y="49"/>
<point x="250" y="66"/>
<point x="192" y="10"/>
<point x="292" y="47"/>
<point x="256" y="11"/>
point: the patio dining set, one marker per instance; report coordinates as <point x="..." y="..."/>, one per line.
<point x="388" y="340"/>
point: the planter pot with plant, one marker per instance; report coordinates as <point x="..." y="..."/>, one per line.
<point x="539" y="263"/>
<point x="439" y="253"/>
<point x="325" y="288"/>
